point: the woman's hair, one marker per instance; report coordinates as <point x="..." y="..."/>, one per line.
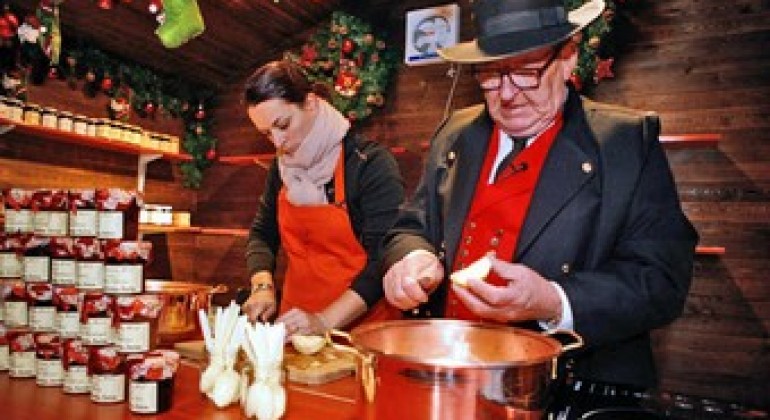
<point x="280" y="80"/>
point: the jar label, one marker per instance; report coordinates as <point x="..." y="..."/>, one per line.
<point x="50" y="223"/>
<point x="108" y="388"/>
<point x="143" y="397"/>
<point x="22" y="364"/>
<point x="18" y="221"/>
<point x="63" y="271"/>
<point x="4" y="358"/>
<point x="49" y="372"/>
<point x="37" y="269"/>
<point x="42" y="318"/>
<point x="49" y="120"/>
<point x="90" y="275"/>
<point x="110" y="225"/>
<point x="16" y="314"/>
<point x="10" y="265"/>
<point x="97" y="331"/>
<point x="134" y="337"/>
<point x="76" y="380"/>
<point x="123" y="278"/>
<point x="68" y="324"/>
<point x="84" y="222"/>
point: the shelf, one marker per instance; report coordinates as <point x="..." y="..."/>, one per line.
<point x="89" y="141"/>
<point x="710" y="250"/>
<point x="680" y="141"/>
<point x="160" y="229"/>
<point x="263" y="160"/>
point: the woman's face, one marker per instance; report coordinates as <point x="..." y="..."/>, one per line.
<point x="286" y="124"/>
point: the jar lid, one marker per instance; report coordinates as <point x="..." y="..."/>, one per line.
<point x="33" y="107"/>
<point x="65" y="114"/>
<point x="49" y="110"/>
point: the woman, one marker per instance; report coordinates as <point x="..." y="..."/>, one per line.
<point x="329" y="198"/>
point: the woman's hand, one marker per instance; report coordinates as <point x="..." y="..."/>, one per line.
<point x="300" y="322"/>
<point x="261" y="304"/>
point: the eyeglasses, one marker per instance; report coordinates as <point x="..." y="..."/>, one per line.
<point x="522" y="78"/>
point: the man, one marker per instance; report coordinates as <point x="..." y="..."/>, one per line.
<point x="584" y="225"/>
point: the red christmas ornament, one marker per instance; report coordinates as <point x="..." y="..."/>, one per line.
<point x="211" y="154"/>
<point x="348" y="46"/>
<point x="309" y="54"/>
<point x="90" y="77"/>
<point x="12" y="20"/>
<point x="104" y="4"/>
<point x="604" y="69"/>
<point x="200" y="114"/>
<point x="106" y="83"/>
<point x="53" y="73"/>
<point x="577" y="82"/>
<point x="6" y="31"/>
<point x="149" y="108"/>
<point x="154" y="6"/>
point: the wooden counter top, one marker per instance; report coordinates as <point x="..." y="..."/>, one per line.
<point x="22" y="399"/>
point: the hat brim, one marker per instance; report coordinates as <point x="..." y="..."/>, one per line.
<point x="470" y="52"/>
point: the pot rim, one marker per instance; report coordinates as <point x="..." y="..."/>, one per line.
<point x="555" y="345"/>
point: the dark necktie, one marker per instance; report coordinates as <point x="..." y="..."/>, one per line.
<point x="518" y="146"/>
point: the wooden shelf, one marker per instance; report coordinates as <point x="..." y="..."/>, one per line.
<point x="160" y="229"/>
<point x="102" y="143"/>
<point x="263" y="160"/>
<point x="710" y="250"/>
<point x="680" y="141"/>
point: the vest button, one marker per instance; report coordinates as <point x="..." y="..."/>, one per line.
<point x="565" y="268"/>
<point x="494" y="242"/>
<point x="468" y="239"/>
<point x="499" y="232"/>
<point x="464" y="253"/>
<point x="472" y="225"/>
<point x="587" y="167"/>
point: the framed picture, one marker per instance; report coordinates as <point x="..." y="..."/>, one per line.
<point x="429" y="29"/>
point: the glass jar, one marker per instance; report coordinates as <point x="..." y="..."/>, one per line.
<point x="36" y="262"/>
<point x="66" y="121"/>
<point x="83" y="214"/>
<point x="80" y="125"/>
<point x="21" y="343"/>
<point x="49" y="117"/>
<point x="116" y="130"/>
<point x="75" y="361"/>
<point x="124" y="263"/>
<point x="63" y="265"/>
<point x="66" y="299"/>
<point x="42" y="312"/>
<point x="89" y="262"/>
<point x="102" y="128"/>
<point x="92" y="126"/>
<point x="96" y="317"/>
<point x="4" y="362"/>
<point x="15" y="110"/>
<point x="151" y="382"/>
<point x="50" y="212"/>
<point x="32" y="114"/>
<point x="137" y="322"/>
<point x="136" y="135"/>
<point x="48" y="363"/>
<point x="10" y="262"/>
<point x="118" y="213"/>
<point x="108" y="374"/>
<point x="18" y="210"/>
<point x="5" y="111"/>
<point x="15" y="304"/>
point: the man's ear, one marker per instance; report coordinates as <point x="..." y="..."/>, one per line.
<point x="569" y="58"/>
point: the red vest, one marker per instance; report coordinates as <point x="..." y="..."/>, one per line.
<point x="497" y="211"/>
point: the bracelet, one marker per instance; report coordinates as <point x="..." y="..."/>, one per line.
<point x="261" y="286"/>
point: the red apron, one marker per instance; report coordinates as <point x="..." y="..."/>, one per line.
<point x="323" y="254"/>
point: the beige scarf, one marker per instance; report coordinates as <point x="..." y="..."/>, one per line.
<point x="307" y="170"/>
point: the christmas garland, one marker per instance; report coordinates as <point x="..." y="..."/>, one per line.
<point x="598" y="45"/>
<point x="355" y="64"/>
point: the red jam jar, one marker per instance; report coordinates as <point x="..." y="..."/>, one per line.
<point x="89" y="260"/>
<point x="4" y="362"/>
<point x="11" y="248"/>
<point x="15" y="304"/>
<point x="137" y="322"/>
<point x="21" y="343"/>
<point x="66" y="299"/>
<point x="63" y="264"/>
<point x="49" y="368"/>
<point x="151" y="382"/>
<point x="84" y="219"/>
<point x="96" y="318"/>
<point x="118" y="213"/>
<point x="50" y="210"/>
<point x="42" y="312"/>
<point x="18" y="210"/>
<point x="36" y="263"/>
<point x="107" y="368"/>
<point x="124" y="263"/>
<point x="75" y="362"/>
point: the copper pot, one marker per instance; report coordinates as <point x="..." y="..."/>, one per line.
<point x="450" y="369"/>
<point x="178" y="319"/>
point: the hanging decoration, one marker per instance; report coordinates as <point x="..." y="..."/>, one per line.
<point x="355" y="64"/>
<point x="182" y="21"/>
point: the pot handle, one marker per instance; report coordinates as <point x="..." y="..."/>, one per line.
<point x="367" y="371"/>
<point x="578" y="339"/>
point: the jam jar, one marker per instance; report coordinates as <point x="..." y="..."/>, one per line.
<point x="80" y="125"/>
<point x="42" y="313"/>
<point x="48" y="364"/>
<point x="96" y="319"/>
<point x="32" y="114"/>
<point x="118" y="213"/>
<point x="66" y="299"/>
<point x="18" y="210"/>
<point x="10" y="250"/>
<point x="83" y="214"/>
<point x="49" y="117"/>
<point x="124" y="263"/>
<point x="102" y="128"/>
<point x="107" y="368"/>
<point x="50" y="209"/>
<point x="66" y="121"/>
<point x="4" y="362"/>
<point x="21" y="344"/>
<point x="36" y="262"/>
<point x="75" y="362"/>
<point x="15" y="110"/>
<point x="151" y="382"/>
<point x="63" y="265"/>
<point x="89" y="260"/>
<point x="137" y="322"/>
<point x="15" y="304"/>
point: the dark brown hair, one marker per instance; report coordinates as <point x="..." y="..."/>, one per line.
<point x="280" y="80"/>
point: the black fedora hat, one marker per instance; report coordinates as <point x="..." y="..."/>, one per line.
<point x="506" y="28"/>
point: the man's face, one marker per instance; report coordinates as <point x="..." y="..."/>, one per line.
<point x="531" y="90"/>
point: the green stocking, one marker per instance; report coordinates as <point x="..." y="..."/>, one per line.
<point x="183" y="22"/>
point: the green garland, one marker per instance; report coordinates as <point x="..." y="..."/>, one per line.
<point x="354" y="63"/>
<point x="597" y="47"/>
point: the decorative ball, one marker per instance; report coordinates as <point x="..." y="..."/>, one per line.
<point x="332" y="44"/>
<point x="199" y="129"/>
<point x="348" y="45"/>
<point x="53" y="72"/>
<point x="368" y="39"/>
<point x="72" y="61"/>
<point x="149" y="108"/>
<point x="594" y="42"/>
<point x="211" y="154"/>
<point x="90" y="77"/>
<point x="12" y="20"/>
<point x="200" y="114"/>
<point x="344" y="30"/>
<point x="106" y="83"/>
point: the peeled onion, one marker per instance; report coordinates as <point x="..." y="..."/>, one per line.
<point x="308" y="344"/>
<point x="479" y="269"/>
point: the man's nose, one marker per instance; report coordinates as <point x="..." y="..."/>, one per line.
<point x="508" y="90"/>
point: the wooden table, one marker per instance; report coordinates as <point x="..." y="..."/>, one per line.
<point x="22" y="399"/>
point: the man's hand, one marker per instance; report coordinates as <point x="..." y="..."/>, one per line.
<point x="409" y="281"/>
<point x="261" y="304"/>
<point x="527" y="296"/>
<point x="300" y="322"/>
